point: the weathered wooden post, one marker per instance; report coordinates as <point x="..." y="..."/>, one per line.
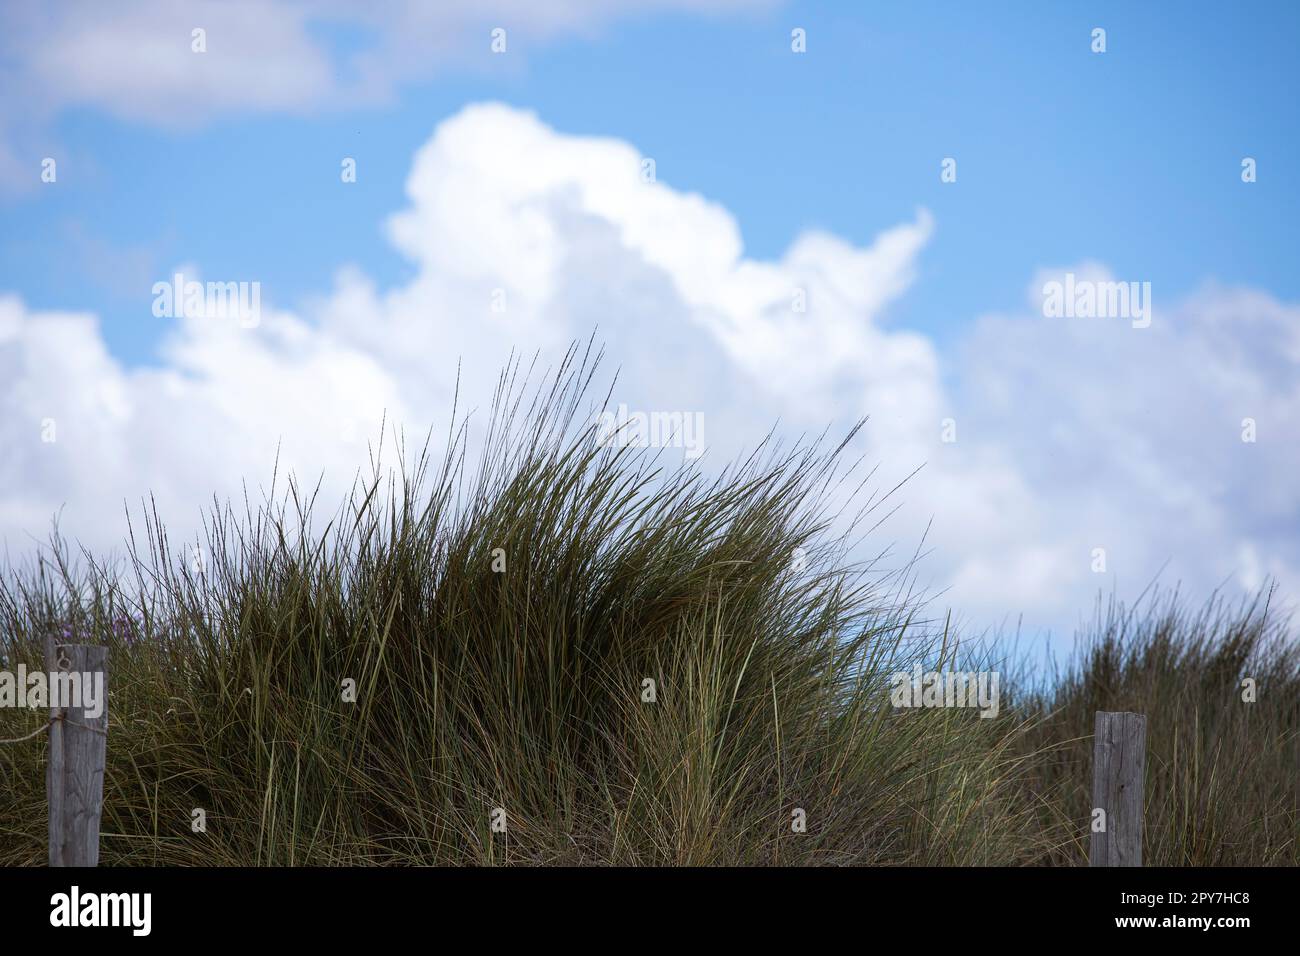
<point x="1119" y="757"/>
<point x="74" y="775"/>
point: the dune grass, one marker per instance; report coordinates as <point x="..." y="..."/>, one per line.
<point x="628" y="662"/>
<point x="1223" y="773"/>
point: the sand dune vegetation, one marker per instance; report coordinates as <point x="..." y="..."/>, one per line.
<point x="556" y="650"/>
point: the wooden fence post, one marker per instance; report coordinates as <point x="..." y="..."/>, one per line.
<point x="1119" y="758"/>
<point x="74" y="776"/>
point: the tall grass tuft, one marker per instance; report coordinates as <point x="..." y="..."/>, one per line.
<point x="624" y="661"/>
<point x="502" y="626"/>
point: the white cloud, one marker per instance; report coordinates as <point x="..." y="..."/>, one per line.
<point x="135" y="59"/>
<point x="85" y="435"/>
<point x="1131" y="439"/>
<point x="1071" y="434"/>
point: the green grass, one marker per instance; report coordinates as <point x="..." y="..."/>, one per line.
<point x="1223" y="775"/>
<point x="522" y="688"/>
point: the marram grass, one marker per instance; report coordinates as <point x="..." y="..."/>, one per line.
<point x="627" y="663"/>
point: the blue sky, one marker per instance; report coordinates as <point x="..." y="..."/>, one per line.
<point x="1128" y="160"/>
<point x="1131" y="157"/>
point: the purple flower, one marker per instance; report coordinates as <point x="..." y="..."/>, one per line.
<point x="124" y="627"/>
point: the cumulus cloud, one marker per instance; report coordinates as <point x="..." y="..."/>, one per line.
<point x="1173" y="444"/>
<point x="1070" y="434"/>
<point x="84" y="435"/>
